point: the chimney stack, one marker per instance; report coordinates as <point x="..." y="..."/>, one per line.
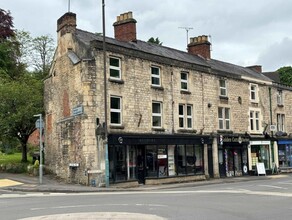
<point x="256" y="68"/>
<point x="200" y="46"/>
<point x="125" y="27"/>
<point x="66" y="24"/>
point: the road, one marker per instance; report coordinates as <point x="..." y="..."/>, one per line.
<point x="260" y="199"/>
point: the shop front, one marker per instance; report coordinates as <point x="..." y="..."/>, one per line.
<point x="260" y="152"/>
<point x="143" y="157"/>
<point x="232" y="155"/>
<point x="285" y="153"/>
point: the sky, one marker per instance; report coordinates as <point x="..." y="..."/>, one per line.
<point x="245" y="33"/>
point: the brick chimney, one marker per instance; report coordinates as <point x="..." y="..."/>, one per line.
<point x="125" y="27"/>
<point x="256" y="68"/>
<point x="66" y="24"/>
<point x="200" y="46"/>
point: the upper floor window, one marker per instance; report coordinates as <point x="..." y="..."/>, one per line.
<point x="155" y="76"/>
<point x="115" y="68"/>
<point x="254" y="92"/>
<point x="184" y="81"/>
<point x="280" y="97"/>
<point x="156" y="114"/>
<point x="254" y="118"/>
<point x="281" y="122"/>
<point x="224" y="118"/>
<point x="115" y="110"/>
<point x="185" y="113"/>
<point x="223" y="87"/>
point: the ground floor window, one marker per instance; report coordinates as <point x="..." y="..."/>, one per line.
<point x="260" y="154"/>
<point x="285" y="155"/>
<point x="130" y="162"/>
<point x="232" y="160"/>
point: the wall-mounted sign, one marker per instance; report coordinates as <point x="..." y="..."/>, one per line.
<point x="78" y="110"/>
<point x="73" y="164"/>
<point x="273" y="128"/>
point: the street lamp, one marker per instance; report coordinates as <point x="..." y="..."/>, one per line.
<point x="40" y="125"/>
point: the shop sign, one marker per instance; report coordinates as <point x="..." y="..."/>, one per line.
<point x="162" y="156"/>
<point x="235" y="139"/>
<point x="78" y="110"/>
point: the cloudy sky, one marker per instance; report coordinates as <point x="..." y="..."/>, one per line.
<point x="246" y="32"/>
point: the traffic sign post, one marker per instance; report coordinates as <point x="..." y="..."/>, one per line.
<point x="39" y="125"/>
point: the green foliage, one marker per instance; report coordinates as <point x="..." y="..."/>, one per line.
<point x="155" y="41"/>
<point x="6" y="25"/>
<point x="285" y="75"/>
<point x="11" y="163"/>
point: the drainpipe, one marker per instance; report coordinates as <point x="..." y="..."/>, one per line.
<point x="105" y="98"/>
<point x="271" y="120"/>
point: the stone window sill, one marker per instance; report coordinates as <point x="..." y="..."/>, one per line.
<point x="117" y="127"/>
<point x="119" y="81"/>
<point x="185" y="92"/>
<point x="157" y="87"/>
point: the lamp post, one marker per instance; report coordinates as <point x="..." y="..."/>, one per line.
<point x="105" y="97"/>
<point x="39" y="125"/>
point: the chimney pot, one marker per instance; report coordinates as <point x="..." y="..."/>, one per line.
<point x="200" y="46"/>
<point x="125" y="27"/>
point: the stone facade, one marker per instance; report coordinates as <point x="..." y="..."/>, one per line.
<point x="74" y="98"/>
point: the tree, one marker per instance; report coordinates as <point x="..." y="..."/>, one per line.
<point x="37" y="52"/>
<point x="6" y="25"/>
<point x="285" y="75"/>
<point x="19" y="101"/>
<point x="155" y="41"/>
<point x="21" y="92"/>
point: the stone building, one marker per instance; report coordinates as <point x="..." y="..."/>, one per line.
<point x="171" y="115"/>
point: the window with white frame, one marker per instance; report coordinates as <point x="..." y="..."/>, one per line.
<point x="254" y="92"/>
<point x="115" y="110"/>
<point x="155" y="76"/>
<point x="281" y="122"/>
<point x="185" y="114"/>
<point x="223" y="87"/>
<point x="115" y="68"/>
<point x="156" y="114"/>
<point x="254" y="118"/>
<point x="224" y="118"/>
<point x="184" y="81"/>
<point x="280" y="97"/>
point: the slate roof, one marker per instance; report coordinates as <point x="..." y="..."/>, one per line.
<point x="217" y="67"/>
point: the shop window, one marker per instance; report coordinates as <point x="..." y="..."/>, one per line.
<point x="260" y="154"/>
<point x="151" y="161"/>
<point x="162" y="161"/>
<point x="189" y="160"/>
<point x="115" y="68"/>
<point x="155" y="76"/>
<point x="120" y="165"/>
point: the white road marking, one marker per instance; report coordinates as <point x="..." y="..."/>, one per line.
<point x="275" y="187"/>
<point x="240" y="191"/>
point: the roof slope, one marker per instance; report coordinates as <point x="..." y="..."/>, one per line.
<point x="216" y="66"/>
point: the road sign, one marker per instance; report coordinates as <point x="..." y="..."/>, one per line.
<point x="39" y="124"/>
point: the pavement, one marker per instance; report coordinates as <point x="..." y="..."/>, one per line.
<point x="26" y="183"/>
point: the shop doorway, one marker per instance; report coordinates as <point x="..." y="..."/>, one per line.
<point x="141" y="164"/>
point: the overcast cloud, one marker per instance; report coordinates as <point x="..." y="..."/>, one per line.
<point x="249" y="32"/>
